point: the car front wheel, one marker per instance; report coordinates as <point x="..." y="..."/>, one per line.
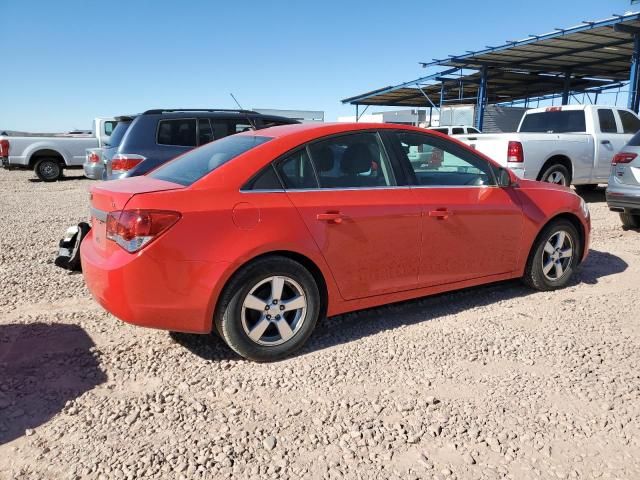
<point x="554" y="257"/>
<point x="269" y="309"/>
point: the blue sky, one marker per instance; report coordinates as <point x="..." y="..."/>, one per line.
<point x="65" y="62"/>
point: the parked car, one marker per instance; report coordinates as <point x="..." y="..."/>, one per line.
<point x="257" y="236"/>
<point x="157" y="136"/>
<point x="456" y="130"/>
<point x="572" y="144"/>
<point x="96" y="158"/>
<point x="49" y="155"/>
<point x="623" y="191"/>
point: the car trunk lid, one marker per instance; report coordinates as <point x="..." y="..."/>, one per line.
<point x="112" y="196"/>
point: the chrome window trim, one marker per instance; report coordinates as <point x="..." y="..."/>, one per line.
<point x="99" y="214"/>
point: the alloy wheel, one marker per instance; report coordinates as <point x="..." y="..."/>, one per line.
<point x="274" y="310"/>
<point x="557" y="255"/>
<point x="558" y="178"/>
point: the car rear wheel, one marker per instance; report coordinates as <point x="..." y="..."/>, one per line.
<point x="630" y="220"/>
<point x="48" y="169"/>
<point x="558" y="174"/>
<point x="554" y="257"/>
<point x="269" y="309"/>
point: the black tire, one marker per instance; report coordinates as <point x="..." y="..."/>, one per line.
<point x="591" y="187"/>
<point x="231" y="324"/>
<point x="630" y="220"/>
<point x="48" y="169"/>
<point x="534" y="274"/>
<point x="556" y="170"/>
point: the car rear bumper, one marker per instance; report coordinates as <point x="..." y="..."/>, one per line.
<point x="147" y="291"/>
<point x="93" y="170"/>
<point x="623" y="198"/>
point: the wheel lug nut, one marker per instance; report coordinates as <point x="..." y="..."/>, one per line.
<point x="277" y="317"/>
<point x="267" y="307"/>
<point x="281" y="307"/>
<point x="275" y="302"/>
<point x="268" y="317"/>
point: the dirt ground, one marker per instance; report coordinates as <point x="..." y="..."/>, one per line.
<point x="491" y="382"/>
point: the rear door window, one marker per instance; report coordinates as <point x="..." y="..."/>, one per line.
<point x="297" y="172"/>
<point x="457" y="131"/>
<point x="179" y="132"/>
<point x="472" y="130"/>
<point x="352" y="161"/>
<point x="607" y="121"/>
<point x="630" y="123"/>
<point x="239" y="126"/>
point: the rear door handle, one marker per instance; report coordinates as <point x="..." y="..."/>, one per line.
<point x="441" y="214"/>
<point x="331" y="217"/>
<point x="605" y="142"/>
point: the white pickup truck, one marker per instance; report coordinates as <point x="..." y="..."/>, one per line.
<point x="48" y="155"/>
<point x="572" y="144"/>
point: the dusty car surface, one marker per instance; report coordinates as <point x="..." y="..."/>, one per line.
<point x="258" y="235"/>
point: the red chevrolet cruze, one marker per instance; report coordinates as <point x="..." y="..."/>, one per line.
<point x="260" y="234"/>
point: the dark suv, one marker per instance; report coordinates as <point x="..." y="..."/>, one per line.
<point x="156" y="136"/>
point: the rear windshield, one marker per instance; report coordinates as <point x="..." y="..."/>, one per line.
<point x="568" y="121"/>
<point x="195" y="164"/>
<point x="635" y="140"/>
<point x="117" y="134"/>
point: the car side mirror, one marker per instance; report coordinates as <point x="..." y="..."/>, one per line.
<point x="504" y="178"/>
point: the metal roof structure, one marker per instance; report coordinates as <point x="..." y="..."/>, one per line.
<point x="590" y="57"/>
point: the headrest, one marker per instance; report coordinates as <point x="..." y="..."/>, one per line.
<point x="323" y="158"/>
<point x="356" y="159"/>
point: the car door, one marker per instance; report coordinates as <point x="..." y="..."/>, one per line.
<point x="365" y="225"/>
<point x="609" y="141"/>
<point x="470" y="227"/>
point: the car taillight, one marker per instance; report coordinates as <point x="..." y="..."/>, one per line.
<point x="122" y="162"/>
<point x="515" y="152"/>
<point x="133" y="229"/>
<point x="4" y="148"/>
<point x="93" y="158"/>
<point x="623" y="157"/>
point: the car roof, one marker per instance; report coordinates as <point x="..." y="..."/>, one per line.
<point x="215" y="114"/>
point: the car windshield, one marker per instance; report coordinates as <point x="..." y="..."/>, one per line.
<point x="117" y="134"/>
<point x="193" y="165"/>
<point x="568" y="121"/>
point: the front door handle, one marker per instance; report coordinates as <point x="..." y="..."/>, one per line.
<point x="440" y="214"/>
<point x="331" y="217"/>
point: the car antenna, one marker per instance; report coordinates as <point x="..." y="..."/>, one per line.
<point x="253" y="127"/>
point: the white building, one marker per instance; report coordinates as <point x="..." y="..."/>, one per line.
<point x="402" y="117"/>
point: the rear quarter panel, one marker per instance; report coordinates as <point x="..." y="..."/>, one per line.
<point x="231" y="228"/>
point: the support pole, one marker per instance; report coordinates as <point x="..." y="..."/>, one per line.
<point x="357" y="113"/>
<point x="566" y="88"/>
<point x="634" y="77"/>
<point x="482" y="98"/>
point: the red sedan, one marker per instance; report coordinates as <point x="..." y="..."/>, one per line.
<point x="259" y="235"/>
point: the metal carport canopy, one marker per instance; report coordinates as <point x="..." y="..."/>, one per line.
<point x="590" y="56"/>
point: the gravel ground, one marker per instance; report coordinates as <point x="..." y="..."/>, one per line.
<point x="491" y="382"/>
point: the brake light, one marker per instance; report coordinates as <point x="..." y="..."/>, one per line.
<point x="623" y="157"/>
<point x="93" y="157"/>
<point x="125" y="162"/>
<point x="553" y="109"/>
<point x="4" y="148"/>
<point x="515" y="152"/>
<point x="134" y="229"/>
